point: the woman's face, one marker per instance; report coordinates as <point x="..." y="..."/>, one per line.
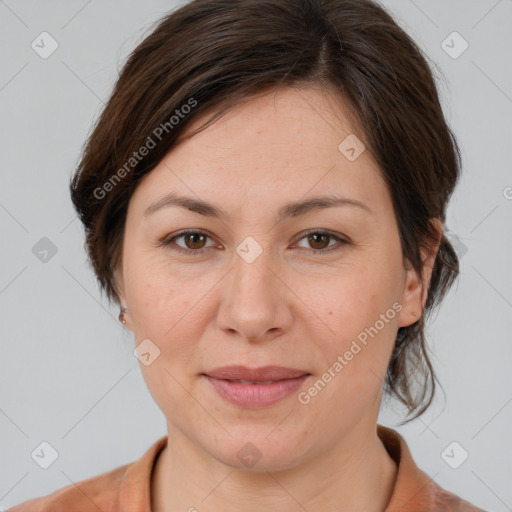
<point x="255" y="289"/>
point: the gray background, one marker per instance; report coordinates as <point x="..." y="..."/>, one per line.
<point x="67" y="372"/>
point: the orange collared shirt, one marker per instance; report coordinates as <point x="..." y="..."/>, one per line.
<point x="127" y="488"/>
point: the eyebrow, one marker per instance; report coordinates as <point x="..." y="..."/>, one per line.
<point x="292" y="209"/>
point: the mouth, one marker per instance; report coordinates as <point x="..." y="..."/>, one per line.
<point x="255" y="388"/>
<point x="257" y="382"/>
<point x="263" y="374"/>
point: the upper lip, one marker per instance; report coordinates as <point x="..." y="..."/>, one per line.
<point x="263" y="373"/>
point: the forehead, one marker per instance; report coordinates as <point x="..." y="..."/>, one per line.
<point x="273" y="148"/>
<point x="300" y="117"/>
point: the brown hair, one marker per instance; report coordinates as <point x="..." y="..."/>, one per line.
<point x="216" y="53"/>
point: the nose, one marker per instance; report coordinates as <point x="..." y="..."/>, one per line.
<point x="256" y="303"/>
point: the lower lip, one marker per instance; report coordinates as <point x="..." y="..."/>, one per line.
<point x="255" y="396"/>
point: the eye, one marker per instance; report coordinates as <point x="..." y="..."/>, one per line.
<point x="195" y="242"/>
<point x="319" y="241"/>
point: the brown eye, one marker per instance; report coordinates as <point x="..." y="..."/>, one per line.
<point x="319" y="241"/>
<point x="194" y="240"/>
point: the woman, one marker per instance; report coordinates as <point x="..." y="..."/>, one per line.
<point x="264" y="197"/>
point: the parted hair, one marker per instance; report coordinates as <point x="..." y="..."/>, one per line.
<point x="209" y="55"/>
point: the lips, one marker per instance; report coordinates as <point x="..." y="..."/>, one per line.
<point x="255" y="388"/>
<point x="262" y="375"/>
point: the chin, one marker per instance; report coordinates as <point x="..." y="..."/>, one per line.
<point x="257" y="452"/>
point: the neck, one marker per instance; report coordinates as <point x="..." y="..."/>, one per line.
<point x="357" y="474"/>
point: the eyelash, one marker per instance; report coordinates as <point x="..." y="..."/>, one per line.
<point x="166" y="242"/>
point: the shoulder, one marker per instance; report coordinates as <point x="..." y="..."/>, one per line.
<point x="414" y="490"/>
<point x="445" y="501"/>
<point x="124" y="488"/>
<point x="97" y="493"/>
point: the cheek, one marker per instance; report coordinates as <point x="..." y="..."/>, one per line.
<point x="358" y="313"/>
<point x="156" y="292"/>
<point x="350" y="301"/>
<point x="163" y="312"/>
<point x="166" y="307"/>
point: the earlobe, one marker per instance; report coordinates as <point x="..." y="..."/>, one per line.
<point x="123" y="318"/>
<point x="122" y="311"/>
<point x="118" y="279"/>
<point x="411" y="299"/>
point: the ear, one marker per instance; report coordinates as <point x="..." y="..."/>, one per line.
<point x="119" y="282"/>
<point x="415" y="292"/>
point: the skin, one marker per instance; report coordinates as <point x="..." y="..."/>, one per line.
<point x="289" y="307"/>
